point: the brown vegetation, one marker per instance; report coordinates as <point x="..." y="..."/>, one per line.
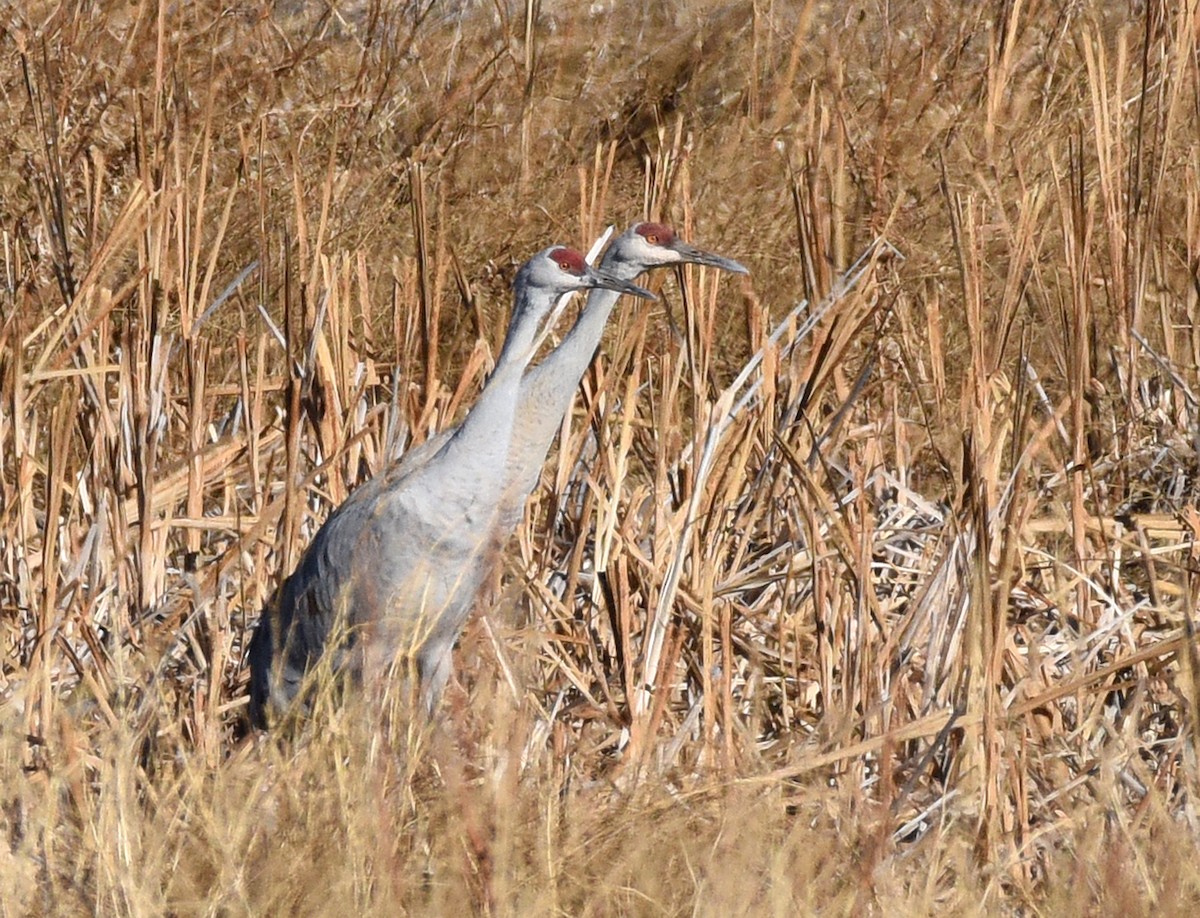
<point x="864" y="586"/>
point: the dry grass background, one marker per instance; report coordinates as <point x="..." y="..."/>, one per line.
<point x="864" y="586"/>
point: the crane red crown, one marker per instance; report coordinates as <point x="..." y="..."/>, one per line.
<point x="661" y="233"/>
<point x="569" y="260"/>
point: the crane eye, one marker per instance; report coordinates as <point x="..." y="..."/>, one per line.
<point x="565" y="265"/>
<point x="652" y="239"/>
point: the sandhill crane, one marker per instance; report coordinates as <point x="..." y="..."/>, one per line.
<point x="398" y="564"/>
<point x="548" y="388"/>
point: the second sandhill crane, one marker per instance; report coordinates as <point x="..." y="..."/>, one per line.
<point x="392" y="575"/>
<point x="548" y="388"/>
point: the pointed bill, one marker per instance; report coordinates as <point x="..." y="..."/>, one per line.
<point x="692" y="255"/>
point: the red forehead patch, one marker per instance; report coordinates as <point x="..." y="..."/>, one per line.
<point x="663" y="234"/>
<point x="569" y="260"/>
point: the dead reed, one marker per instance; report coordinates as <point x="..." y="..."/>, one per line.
<point x="864" y="587"/>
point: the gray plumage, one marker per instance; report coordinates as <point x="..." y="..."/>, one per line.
<point x="392" y="575"/>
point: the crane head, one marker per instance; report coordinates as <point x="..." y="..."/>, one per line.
<point x="545" y="284"/>
<point x="560" y="269"/>
<point x="655" y="245"/>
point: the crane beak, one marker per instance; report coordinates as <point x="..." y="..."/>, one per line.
<point x="689" y="254"/>
<point x="598" y="278"/>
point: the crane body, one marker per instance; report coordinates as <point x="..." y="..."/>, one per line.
<point x="391" y="577"/>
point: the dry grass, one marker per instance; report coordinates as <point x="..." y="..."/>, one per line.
<point x="866" y="586"/>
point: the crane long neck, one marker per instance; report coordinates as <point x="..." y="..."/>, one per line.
<point x="530" y="307"/>
<point x="548" y="389"/>
<point x="481" y="441"/>
<point x="566" y="364"/>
